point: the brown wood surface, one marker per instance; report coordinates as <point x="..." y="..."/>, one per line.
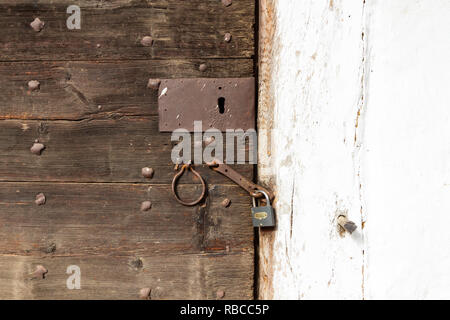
<point x="87" y="90"/>
<point x="105" y="219"/>
<point x="114" y="29"/>
<point x="194" y="276"/>
<point x="109" y="150"/>
<point x="99" y="124"/>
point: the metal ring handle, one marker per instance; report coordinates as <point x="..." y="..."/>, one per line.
<point x="175" y="181"/>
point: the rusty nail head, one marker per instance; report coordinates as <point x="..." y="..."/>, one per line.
<point x="144" y="293"/>
<point x="220" y="294"/>
<point x="40" y="199"/>
<point x="147" y="172"/>
<point x="40" y="272"/>
<point x="203" y="67"/>
<point x="226" y="203"/>
<point x="153" y="84"/>
<point x="34" y="85"/>
<point x="37" y="148"/>
<point x="37" y="24"/>
<point x="227" y="37"/>
<point x="147" y="41"/>
<point x="227" y="3"/>
<point x="146" y="205"/>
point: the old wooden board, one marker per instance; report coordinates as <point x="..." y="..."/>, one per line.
<point x="86" y="89"/>
<point x="109" y="150"/>
<point x="197" y="276"/>
<point x="99" y="124"/>
<point x="114" y="30"/>
<point x="177" y="251"/>
<point x="105" y="219"/>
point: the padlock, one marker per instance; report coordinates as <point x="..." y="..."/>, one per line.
<point x="263" y="216"/>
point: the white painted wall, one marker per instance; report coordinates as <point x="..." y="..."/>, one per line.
<point x="357" y="95"/>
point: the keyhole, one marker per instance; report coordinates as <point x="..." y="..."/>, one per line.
<point x="221" y="104"/>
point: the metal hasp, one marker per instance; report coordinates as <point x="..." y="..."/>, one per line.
<point x="220" y="103"/>
<point x="255" y="190"/>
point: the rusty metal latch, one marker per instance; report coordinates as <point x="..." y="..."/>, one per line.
<point x="251" y="187"/>
<point x="256" y="191"/>
<point x="219" y="103"/>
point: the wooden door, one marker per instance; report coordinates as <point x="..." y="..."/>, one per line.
<point x="98" y="121"/>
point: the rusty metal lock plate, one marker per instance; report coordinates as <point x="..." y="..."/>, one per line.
<point x="220" y="103"/>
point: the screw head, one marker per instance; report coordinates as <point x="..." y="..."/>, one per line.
<point x="147" y="41"/>
<point x="40" y="199"/>
<point x="34" y="85"/>
<point x="203" y="67"/>
<point x="145" y="293"/>
<point x="37" y="25"/>
<point x="227" y="37"/>
<point x="147" y="172"/>
<point x="146" y="205"/>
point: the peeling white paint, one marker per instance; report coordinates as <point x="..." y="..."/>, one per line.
<point x="317" y="96"/>
<point x="360" y="127"/>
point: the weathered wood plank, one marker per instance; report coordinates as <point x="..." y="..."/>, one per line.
<point x="113" y="150"/>
<point x="98" y="122"/>
<point x="79" y="90"/>
<point x="197" y="276"/>
<point x="105" y="219"/>
<point x="179" y="252"/>
<point x="113" y="30"/>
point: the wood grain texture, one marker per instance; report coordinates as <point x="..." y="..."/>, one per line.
<point x="114" y="29"/>
<point x="112" y="150"/>
<point x="99" y="124"/>
<point x="105" y="219"/>
<point x="196" y="276"/>
<point x="265" y="120"/>
<point x="179" y="252"/>
<point x="87" y="90"/>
